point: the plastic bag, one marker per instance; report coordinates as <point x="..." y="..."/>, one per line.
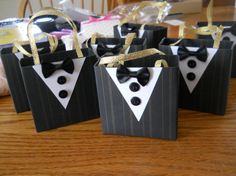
<point x="144" y="12"/>
<point x="76" y="14"/>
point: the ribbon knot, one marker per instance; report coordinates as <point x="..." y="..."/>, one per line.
<point x="48" y="68"/>
<point x="201" y="54"/>
<point x="133" y="74"/>
<point x="123" y="75"/>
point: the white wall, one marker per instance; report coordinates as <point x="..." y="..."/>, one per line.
<point x="9" y="8"/>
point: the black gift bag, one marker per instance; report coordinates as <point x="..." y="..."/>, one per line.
<point x="152" y="33"/>
<point x="138" y="99"/>
<point x="229" y="34"/>
<point x="205" y="73"/>
<point x="60" y="86"/>
<point x="114" y="46"/>
<point x="10" y="60"/>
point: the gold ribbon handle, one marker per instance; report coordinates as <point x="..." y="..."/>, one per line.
<point x="210" y="28"/>
<point x="143" y="26"/>
<point x="51" y="11"/>
<point x="128" y="41"/>
<point x="161" y="63"/>
<point x="112" y="60"/>
<point x="53" y="43"/>
<point x="210" y="13"/>
<point x="218" y="37"/>
<point x="206" y="30"/>
<point x="95" y="36"/>
<point x="181" y="34"/>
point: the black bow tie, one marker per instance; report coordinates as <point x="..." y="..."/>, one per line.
<point x="123" y="75"/>
<point x="48" y="68"/>
<point x="201" y="54"/>
<point x="126" y="30"/>
<point x="103" y="49"/>
<point x="231" y="29"/>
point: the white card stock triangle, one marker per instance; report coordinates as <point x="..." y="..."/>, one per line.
<point x="71" y="80"/>
<point x="198" y="70"/>
<point x="144" y="92"/>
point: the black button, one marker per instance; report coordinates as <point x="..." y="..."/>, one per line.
<point x="63" y="94"/>
<point x="134" y="87"/>
<point x="135" y="101"/>
<point x="61" y="80"/>
<point x="192" y="63"/>
<point x="191" y="76"/>
<point x="226" y="38"/>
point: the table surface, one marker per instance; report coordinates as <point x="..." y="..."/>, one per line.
<point x="206" y="143"/>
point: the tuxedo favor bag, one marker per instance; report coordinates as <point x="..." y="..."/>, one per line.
<point x="114" y="46"/>
<point x="205" y="73"/>
<point x="229" y="34"/>
<point x="60" y="86"/>
<point x="10" y="61"/>
<point x="137" y="98"/>
<point x="152" y="33"/>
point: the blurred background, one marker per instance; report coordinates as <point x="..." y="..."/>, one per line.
<point x="9" y="8"/>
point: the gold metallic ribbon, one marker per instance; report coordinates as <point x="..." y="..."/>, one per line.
<point x="206" y="30"/>
<point x="161" y="63"/>
<point x="210" y="28"/>
<point x="51" y="11"/>
<point x="94" y="37"/>
<point x="218" y="37"/>
<point x="133" y="15"/>
<point x="181" y="34"/>
<point x="113" y="60"/>
<point x="128" y="41"/>
<point x="143" y="26"/>
<point x="53" y="42"/>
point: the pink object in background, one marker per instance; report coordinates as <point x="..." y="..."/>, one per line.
<point x="103" y="25"/>
<point x="61" y="33"/>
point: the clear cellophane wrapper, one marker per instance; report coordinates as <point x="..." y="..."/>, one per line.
<point x="147" y="14"/>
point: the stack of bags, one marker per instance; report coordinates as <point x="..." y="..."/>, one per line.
<point x="135" y="81"/>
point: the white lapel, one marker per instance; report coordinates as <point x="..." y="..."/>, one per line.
<point x="69" y="86"/>
<point x="144" y="93"/>
<point x="198" y="70"/>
